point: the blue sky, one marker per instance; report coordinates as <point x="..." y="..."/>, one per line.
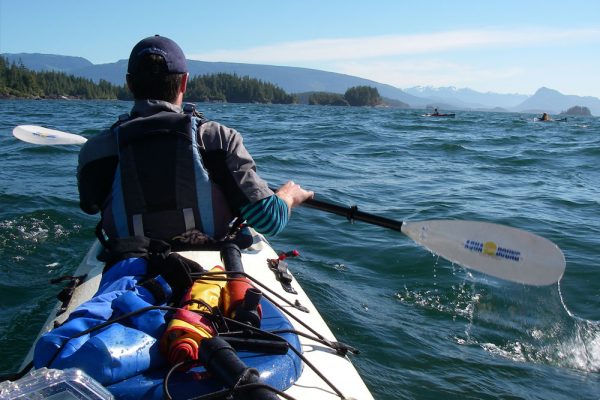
<point x="502" y="46"/>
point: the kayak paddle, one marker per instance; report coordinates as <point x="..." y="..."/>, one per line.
<point x="497" y="250"/>
<point x="40" y="135"/>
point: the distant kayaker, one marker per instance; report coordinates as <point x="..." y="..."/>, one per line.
<point x="164" y="171"/>
<point x="435" y="112"/>
<point x="545" y="117"/>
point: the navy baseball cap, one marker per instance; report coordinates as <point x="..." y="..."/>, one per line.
<point x="161" y="46"/>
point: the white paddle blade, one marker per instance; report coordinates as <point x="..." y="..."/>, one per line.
<point x="497" y="250"/>
<point x="44" y="136"/>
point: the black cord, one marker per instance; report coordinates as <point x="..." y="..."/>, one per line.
<point x="17" y="375"/>
<point x="226" y="393"/>
<point x="105" y="324"/>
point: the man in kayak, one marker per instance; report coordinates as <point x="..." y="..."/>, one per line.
<point x="435" y="112"/>
<point x="545" y="117"/>
<point x="163" y="171"/>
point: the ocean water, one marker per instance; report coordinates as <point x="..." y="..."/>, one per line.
<point x="426" y="329"/>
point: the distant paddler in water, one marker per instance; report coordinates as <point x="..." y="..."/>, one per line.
<point x="545" y="117"/>
<point x="436" y="113"/>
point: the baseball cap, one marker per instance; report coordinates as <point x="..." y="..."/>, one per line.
<point x="162" y="46"/>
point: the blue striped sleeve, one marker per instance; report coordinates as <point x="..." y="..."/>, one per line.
<point x="268" y="216"/>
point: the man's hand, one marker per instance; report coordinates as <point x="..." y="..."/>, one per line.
<point x="293" y="194"/>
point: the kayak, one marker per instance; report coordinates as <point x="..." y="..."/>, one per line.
<point x="312" y="364"/>
<point x="439" y="115"/>
<point x="536" y="119"/>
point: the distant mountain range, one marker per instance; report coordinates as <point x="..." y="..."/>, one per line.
<point x="543" y="100"/>
<point x="467" y="98"/>
<point x="301" y="80"/>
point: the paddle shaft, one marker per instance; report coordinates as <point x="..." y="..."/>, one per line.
<point x="352" y="213"/>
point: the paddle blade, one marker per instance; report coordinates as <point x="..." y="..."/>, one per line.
<point x="497" y="250"/>
<point x="44" y="136"/>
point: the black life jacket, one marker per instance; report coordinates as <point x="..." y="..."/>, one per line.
<point x="161" y="188"/>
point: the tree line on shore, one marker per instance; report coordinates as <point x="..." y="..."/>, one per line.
<point x="16" y="81"/>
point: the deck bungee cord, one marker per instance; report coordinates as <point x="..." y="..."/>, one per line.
<point x="341" y="348"/>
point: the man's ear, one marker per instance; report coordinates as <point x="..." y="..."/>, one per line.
<point x="128" y="79"/>
<point x="184" y="82"/>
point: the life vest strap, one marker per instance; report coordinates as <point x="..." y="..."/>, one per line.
<point x="138" y="225"/>
<point x="188" y="216"/>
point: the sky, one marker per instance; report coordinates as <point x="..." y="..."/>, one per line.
<point x="501" y="46"/>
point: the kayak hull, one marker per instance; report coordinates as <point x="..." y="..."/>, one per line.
<point x="439" y="115"/>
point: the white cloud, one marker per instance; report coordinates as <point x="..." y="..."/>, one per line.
<point x="408" y="73"/>
<point x="516" y="60"/>
<point x="323" y="50"/>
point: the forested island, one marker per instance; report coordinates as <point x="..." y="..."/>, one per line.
<point x="234" y="89"/>
<point x="16" y="81"/>
<point x="355" y="96"/>
<point x="578" y="111"/>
